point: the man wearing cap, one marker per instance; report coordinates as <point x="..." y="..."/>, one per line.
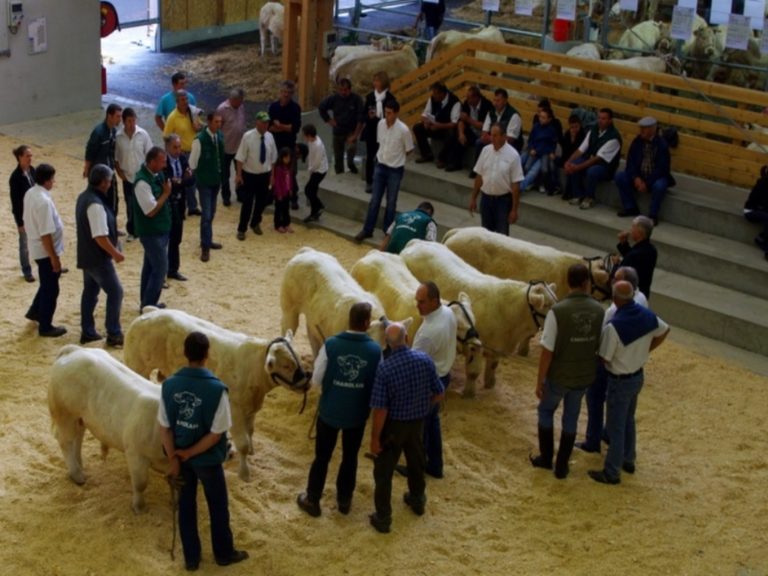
<point x="254" y="160"/>
<point x="627" y="339"/>
<point x="647" y="171"/>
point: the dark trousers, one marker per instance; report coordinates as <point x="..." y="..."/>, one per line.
<point x="433" y="437"/>
<point x="103" y="277"/>
<point x="371" y="149"/>
<point x="282" y="213"/>
<point x="423" y="135"/>
<point x="340" y="149"/>
<point x="596" y="408"/>
<point x="398" y="437"/>
<point x="176" y="234"/>
<point x="453" y="151"/>
<point x="255" y="196"/>
<point x="226" y="174"/>
<point x="128" y="194"/>
<point x="494" y="212"/>
<point x="215" y="489"/>
<point x="44" y="304"/>
<point x="759" y="217"/>
<point x="311" y="190"/>
<point x="325" y="443"/>
<point x="112" y="197"/>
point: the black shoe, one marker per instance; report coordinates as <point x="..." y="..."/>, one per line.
<point x="31" y="316"/>
<point x="564" y="454"/>
<point x="205" y="255"/>
<point x="177" y="276"/>
<point x="241" y="235"/>
<point x="362" y="235"/>
<point x="416" y="504"/>
<point x="160" y="305"/>
<point x="215" y="246"/>
<point x="402" y="470"/>
<point x="546" y="449"/>
<point x="438" y="475"/>
<point x="311" y="507"/>
<point x="87" y="338"/>
<point x="473" y="174"/>
<point x="344" y="505"/>
<point x="540" y="462"/>
<point x="566" y="196"/>
<point x="314" y="217"/>
<point x="234" y="558"/>
<point x="64" y="270"/>
<point x="425" y="159"/>
<point x="115" y="341"/>
<point x="451" y="168"/>
<point x="54" y="332"/>
<point x="195" y="212"/>
<point x="257" y="229"/>
<point x="382" y="526"/>
<point x="628" y="467"/>
<point x="599" y="476"/>
<point x="623" y="213"/>
<point x="227" y="202"/>
<point x="29" y="278"/>
<point x="352" y="169"/>
<point x="192" y="565"/>
<point x="584" y="447"/>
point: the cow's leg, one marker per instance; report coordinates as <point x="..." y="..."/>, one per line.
<point x="242" y="442"/>
<point x="473" y="367"/>
<point x="263" y="42"/>
<point x="138" y="468"/>
<point x="524" y="346"/>
<point x="69" y="433"/>
<point x="289" y="320"/>
<point x="491" y="363"/>
<point x="273" y="40"/>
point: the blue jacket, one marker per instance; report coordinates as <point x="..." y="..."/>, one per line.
<point x="661" y="161"/>
<point x="543" y="139"/>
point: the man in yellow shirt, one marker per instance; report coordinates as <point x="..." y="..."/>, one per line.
<point x="184" y="122"/>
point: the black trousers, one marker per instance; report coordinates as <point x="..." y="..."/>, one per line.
<point x="325" y="443"/>
<point x="340" y="148"/>
<point x="311" y="189"/>
<point x="453" y="151"/>
<point x="44" y="304"/>
<point x="282" y="213"/>
<point x="256" y="197"/>
<point x="398" y="437"/>
<point x="226" y="173"/>
<point x="371" y="149"/>
<point x="177" y="231"/>
<point x="423" y="135"/>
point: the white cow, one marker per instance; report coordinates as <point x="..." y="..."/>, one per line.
<point x="91" y="390"/>
<point x="387" y="276"/>
<point x="504" y="308"/>
<point x="250" y="367"/>
<point x="271" y="21"/>
<point x="316" y="285"/>
<point x="640" y="63"/>
<point x="450" y="38"/>
<point x="756" y="146"/>
<point x="360" y="63"/>
<point x="648" y="36"/>
<point x="505" y="257"/>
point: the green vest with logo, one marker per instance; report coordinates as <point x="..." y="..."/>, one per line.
<point x="209" y="165"/>
<point x="143" y="225"/>
<point x="408" y="225"/>
<point x="596" y="141"/>
<point x="579" y="325"/>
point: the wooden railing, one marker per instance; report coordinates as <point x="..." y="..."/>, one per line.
<point x="710" y="117"/>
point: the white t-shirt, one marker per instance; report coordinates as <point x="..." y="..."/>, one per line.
<point x="249" y="152"/>
<point x="513" y="127"/>
<point x="500" y="169"/>
<point x="143" y="193"/>
<point x="606" y="152"/>
<point x="131" y="152"/>
<point x="222" y="419"/>
<point x="620" y="359"/>
<point x="97" y="219"/>
<point x="455" y="111"/>
<point x="317" y="160"/>
<point x="394" y="143"/>
<point x="42" y="218"/>
<point x="437" y="337"/>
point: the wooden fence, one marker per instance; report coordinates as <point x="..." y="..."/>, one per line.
<point x="708" y="116"/>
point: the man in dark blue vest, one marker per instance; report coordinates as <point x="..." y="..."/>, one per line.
<point x="100" y="149"/>
<point x="438" y="121"/>
<point x="194" y="417"/>
<point x="345" y="369"/>
<point x="96" y="253"/>
<point x="409" y="225"/>
<point x="594" y="161"/>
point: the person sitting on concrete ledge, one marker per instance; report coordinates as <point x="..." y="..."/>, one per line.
<point x="409" y="225"/>
<point x="756" y="208"/>
<point x="474" y="110"/>
<point x="647" y="171"/>
<point x="642" y="254"/>
<point x="439" y="119"/>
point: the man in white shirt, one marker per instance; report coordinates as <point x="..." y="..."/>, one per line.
<point x="45" y="235"/>
<point x="254" y="160"/>
<point x="131" y="146"/>
<point x="626" y="342"/>
<point x="499" y="173"/>
<point x="594" y="161"/>
<point x="317" y="166"/>
<point x="395" y="143"/>
<point x="438" y="121"/>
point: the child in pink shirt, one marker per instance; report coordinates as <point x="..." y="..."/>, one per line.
<point x="282" y="182"/>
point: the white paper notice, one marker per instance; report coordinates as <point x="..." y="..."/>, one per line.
<point x="37" y="32"/>
<point x="720" y="12"/>
<point x="566" y="10"/>
<point x="628" y="5"/>
<point x="524" y="7"/>
<point x="682" y="22"/>
<point x="491" y="5"/>
<point x="739" y="32"/>
<point x="764" y="39"/>
<point x="755" y="9"/>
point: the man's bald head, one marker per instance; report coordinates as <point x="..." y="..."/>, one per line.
<point x="395" y="335"/>
<point x="623" y="292"/>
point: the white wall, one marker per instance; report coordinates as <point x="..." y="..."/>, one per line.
<point x="66" y="78"/>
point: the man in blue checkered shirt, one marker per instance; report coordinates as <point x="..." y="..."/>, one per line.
<point x="405" y="388"/>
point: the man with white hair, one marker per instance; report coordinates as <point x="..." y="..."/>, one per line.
<point x="641" y="255"/>
<point x="233" y="126"/>
<point x="405" y="389"/>
<point x="626" y="342"/>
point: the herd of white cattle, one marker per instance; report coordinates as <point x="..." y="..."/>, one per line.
<point x="498" y="287"/>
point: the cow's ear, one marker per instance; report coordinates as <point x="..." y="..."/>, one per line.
<point x="289" y="335"/>
<point x="464" y="298"/>
<point x="407" y="322"/>
<point x="536" y="300"/>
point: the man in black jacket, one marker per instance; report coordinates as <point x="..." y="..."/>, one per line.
<point x="642" y="254"/>
<point x="756" y="208"/>
<point x="177" y="171"/>
<point x="346" y="118"/>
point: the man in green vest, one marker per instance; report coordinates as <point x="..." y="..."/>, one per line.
<point x="569" y="344"/>
<point x="152" y="224"/>
<point x="207" y="161"/>
<point x="594" y="161"/>
<point x="409" y="225"/>
<point x="345" y="368"/>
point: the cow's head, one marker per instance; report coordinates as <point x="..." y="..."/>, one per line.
<point x="187" y="403"/>
<point x="541" y="297"/>
<point x="468" y="341"/>
<point x="284" y="366"/>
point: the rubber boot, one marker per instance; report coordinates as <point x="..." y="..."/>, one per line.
<point x="567" y="440"/>
<point x="546" y="448"/>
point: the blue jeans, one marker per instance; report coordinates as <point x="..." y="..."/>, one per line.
<point x="620" y="422"/>
<point x="44" y="304"/>
<point x="553" y="394"/>
<point x="494" y="212"/>
<point x="584" y="183"/>
<point x="215" y="489"/>
<point x="155" y="268"/>
<point x="385" y="180"/>
<point x="208" y="195"/>
<point x="658" y="189"/>
<point x="433" y="437"/>
<point x="26" y="267"/>
<point x="595" y="408"/>
<point x="105" y="278"/>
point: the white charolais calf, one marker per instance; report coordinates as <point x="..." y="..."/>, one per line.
<point x="506" y="257"/>
<point x="360" y="63"/>
<point x="449" y="38"/>
<point x="271" y="22"/>
<point x="508" y="312"/>
<point x="387" y="276"/>
<point x="250" y="367"/>
<point x="90" y="390"/>
<point x="317" y="286"/>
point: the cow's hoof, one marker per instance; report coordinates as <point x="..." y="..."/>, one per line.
<point x="78" y="478"/>
<point x="139" y="508"/>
